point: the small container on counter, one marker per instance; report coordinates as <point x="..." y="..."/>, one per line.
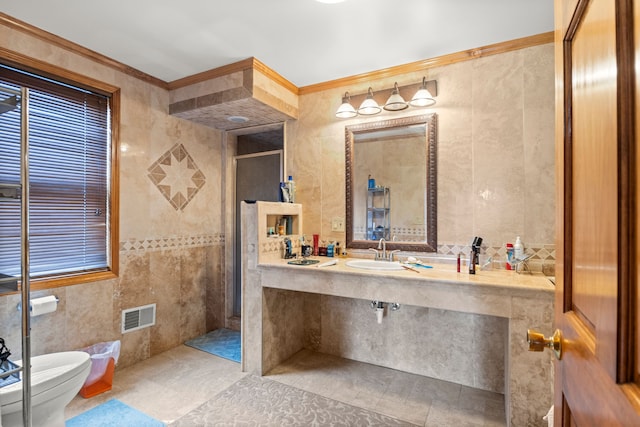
<point x="507" y="265"/>
<point x="330" y="250"/>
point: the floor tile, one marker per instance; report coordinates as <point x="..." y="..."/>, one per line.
<point x="180" y="381"/>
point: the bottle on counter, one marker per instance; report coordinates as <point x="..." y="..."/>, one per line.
<point x="518" y="249"/>
<point x="507" y="265"/>
<point x="330" y="250"/>
<point x="292" y="189"/>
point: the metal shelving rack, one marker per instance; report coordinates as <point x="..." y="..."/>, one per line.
<point x="378" y="213"/>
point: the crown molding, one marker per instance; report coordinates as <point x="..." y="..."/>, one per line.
<point x="438" y="61"/>
<point x="48" y="37"/>
<point x="254" y="63"/>
<point x="249" y="63"/>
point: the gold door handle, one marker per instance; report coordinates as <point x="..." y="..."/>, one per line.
<point x="537" y="342"/>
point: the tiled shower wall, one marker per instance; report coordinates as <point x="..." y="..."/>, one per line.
<point x="171" y="235"/>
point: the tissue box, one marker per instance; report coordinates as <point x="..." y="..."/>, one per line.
<point x="7" y="366"/>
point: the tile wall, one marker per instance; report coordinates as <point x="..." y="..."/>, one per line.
<point x="495" y="153"/>
<point x="171" y="237"/>
<point x="495" y="180"/>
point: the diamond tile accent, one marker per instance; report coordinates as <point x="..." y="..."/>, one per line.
<point x="177" y="176"/>
<point x="543" y="256"/>
<point x="276" y="245"/>
<point x="176" y="242"/>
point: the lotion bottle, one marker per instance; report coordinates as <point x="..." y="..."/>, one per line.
<point x="518" y="249"/>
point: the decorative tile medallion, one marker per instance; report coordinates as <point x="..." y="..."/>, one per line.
<point x="177" y="176"/>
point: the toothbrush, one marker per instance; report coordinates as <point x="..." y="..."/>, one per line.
<point x="327" y="264"/>
<point x="410" y="268"/>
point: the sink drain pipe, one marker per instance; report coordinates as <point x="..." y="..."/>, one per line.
<point x="378" y="306"/>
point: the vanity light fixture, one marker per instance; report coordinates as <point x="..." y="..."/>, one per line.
<point x="346" y="110"/>
<point x="424" y="97"/>
<point x="395" y="102"/>
<point x="369" y="106"/>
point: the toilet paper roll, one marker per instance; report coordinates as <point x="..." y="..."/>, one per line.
<point x="43" y="305"/>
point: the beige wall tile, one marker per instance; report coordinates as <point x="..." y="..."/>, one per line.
<point x="495" y="149"/>
<point x="162" y="258"/>
<point x="495" y="154"/>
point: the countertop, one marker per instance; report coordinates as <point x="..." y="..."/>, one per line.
<point x="439" y="273"/>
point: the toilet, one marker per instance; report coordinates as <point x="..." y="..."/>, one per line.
<point x="55" y="379"/>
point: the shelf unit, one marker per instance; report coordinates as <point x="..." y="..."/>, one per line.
<point x="378" y="213"/>
<point x="262" y="215"/>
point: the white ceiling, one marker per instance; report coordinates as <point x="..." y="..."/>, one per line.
<point x="305" y="41"/>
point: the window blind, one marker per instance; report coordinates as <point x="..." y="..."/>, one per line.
<point x="69" y="149"/>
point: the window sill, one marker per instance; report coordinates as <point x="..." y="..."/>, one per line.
<point x="70" y="280"/>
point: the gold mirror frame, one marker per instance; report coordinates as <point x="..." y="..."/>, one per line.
<point x="431" y="241"/>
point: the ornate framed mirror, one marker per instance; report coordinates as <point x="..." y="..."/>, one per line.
<point x="391" y="184"/>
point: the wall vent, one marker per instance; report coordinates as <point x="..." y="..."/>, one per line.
<point x="138" y="318"/>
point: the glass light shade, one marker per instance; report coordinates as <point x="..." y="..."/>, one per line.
<point x="423" y="97"/>
<point x="395" y="102"/>
<point x="346" y="110"/>
<point x="369" y="106"/>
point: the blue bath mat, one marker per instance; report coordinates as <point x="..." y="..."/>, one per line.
<point x="113" y="413"/>
<point x="221" y="342"/>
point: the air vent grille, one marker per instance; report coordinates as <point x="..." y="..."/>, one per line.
<point x="138" y="318"/>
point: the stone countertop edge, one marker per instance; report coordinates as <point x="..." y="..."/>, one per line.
<point x="440" y="273"/>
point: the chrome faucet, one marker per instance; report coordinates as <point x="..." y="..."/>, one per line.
<point x="384" y="255"/>
<point x="382" y="244"/>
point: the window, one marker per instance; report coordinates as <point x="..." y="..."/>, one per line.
<point x="71" y="195"/>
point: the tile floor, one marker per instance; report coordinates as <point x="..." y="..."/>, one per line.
<point x="171" y="384"/>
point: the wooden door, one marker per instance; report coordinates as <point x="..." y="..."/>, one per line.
<point x="596" y="382"/>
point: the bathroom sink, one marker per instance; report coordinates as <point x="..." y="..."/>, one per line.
<point x="367" y="264"/>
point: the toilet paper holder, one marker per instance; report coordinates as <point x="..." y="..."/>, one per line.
<point x="19" y="307"/>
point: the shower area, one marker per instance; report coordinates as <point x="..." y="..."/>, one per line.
<point x="14" y="226"/>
